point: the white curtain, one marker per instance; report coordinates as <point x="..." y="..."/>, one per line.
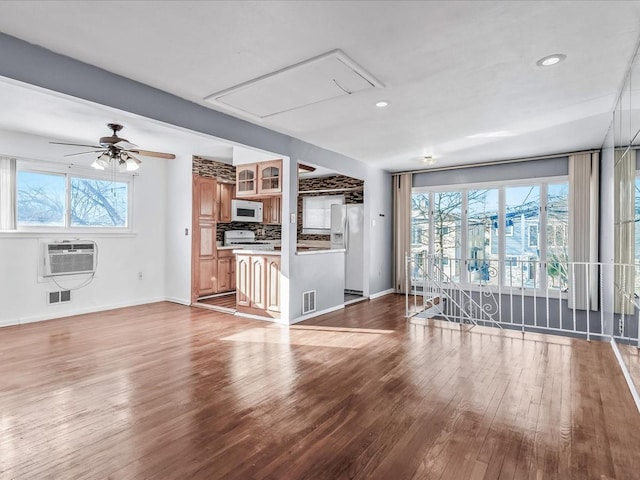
<point x="402" y="185"/>
<point x="583" y="230"/>
<point x="7" y="193"/>
<point x="624" y="221"/>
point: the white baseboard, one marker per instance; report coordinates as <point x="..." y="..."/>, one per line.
<point x="316" y="314"/>
<point x="382" y="293"/>
<point x="83" y="311"/>
<point x="181" y="301"/>
<point x="625" y="372"/>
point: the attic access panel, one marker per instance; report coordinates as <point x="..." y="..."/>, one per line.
<point x="320" y="78"/>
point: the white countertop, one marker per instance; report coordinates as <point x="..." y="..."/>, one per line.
<point x="248" y="251"/>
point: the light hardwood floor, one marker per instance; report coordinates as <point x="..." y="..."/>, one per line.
<point x="171" y="392"/>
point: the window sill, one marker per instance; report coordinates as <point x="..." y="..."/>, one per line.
<point x="76" y="234"/>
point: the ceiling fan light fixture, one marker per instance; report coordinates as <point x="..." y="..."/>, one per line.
<point x="102" y="161"/>
<point x="97" y="165"/>
<point x="131" y="163"/>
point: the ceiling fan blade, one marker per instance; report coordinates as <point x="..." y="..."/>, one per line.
<point x="149" y="153"/>
<point x="84" y="153"/>
<point x="76" y="144"/>
<point x="125" y="144"/>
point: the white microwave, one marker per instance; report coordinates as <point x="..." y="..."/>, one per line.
<point x="246" y="211"/>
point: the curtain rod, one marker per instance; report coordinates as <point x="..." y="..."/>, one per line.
<point x="496" y="162"/>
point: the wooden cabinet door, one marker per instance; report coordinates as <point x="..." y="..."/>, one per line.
<point x="206" y="198"/>
<point x="206" y="235"/>
<point x="272" y="207"/>
<point x="270" y="177"/>
<point x="273" y="284"/>
<point x="203" y="241"/>
<point x="246" y="181"/>
<point x="258" y="283"/>
<point x="225" y="194"/>
<point x="232" y="275"/>
<point x="243" y="279"/>
<point x="276" y="210"/>
<point x="224" y="274"/>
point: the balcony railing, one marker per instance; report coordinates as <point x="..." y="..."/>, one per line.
<point x="526" y="294"/>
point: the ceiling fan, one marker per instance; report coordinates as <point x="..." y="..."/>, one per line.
<point x="117" y="150"/>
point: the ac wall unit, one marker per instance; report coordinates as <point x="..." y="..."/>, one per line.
<point x="70" y="258"/>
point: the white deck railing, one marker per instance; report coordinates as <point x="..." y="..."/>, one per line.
<point x="529" y="295"/>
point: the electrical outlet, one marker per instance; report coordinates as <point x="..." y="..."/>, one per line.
<point x="620" y="327"/>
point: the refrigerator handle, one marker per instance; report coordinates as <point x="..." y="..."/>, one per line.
<point x="346" y="232"/>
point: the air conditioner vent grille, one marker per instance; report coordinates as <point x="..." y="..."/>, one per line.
<point x="68" y="258"/>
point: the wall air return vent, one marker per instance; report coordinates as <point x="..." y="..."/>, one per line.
<point x="62" y="296"/>
<point x="320" y="78"/>
<point x="308" y="302"/>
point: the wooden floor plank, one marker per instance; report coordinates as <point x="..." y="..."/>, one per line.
<point x="173" y="392"/>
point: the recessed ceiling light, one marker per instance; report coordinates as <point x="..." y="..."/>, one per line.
<point x="428" y="160"/>
<point x="551" y="60"/>
<point x="382" y="104"/>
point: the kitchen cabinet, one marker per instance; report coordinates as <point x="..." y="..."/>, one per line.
<point x="225" y="192"/>
<point x="226" y="271"/>
<point x="270" y="177"/>
<point x="204" y="265"/>
<point x="272" y="210"/>
<point x="259" y="179"/>
<point x="243" y="290"/>
<point x="273" y="284"/>
<point x="258" y="288"/>
<point x="246" y="181"/>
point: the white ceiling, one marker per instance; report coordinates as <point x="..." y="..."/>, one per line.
<point x="451" y="69"/>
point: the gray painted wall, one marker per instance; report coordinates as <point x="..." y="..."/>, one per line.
<point x="35" y="65"/>
<point x="549" y="167"/>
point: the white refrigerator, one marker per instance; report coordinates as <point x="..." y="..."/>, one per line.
<point x="347" y="231"/>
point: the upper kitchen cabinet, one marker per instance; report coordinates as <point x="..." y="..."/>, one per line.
<point x="270" y="177"/>
<point x="272" y="210"/>
<point x="246" y="184"/>
<point x="225" y="194"/>
<point x="205" y="197"/>
<point x="259" y="179"/>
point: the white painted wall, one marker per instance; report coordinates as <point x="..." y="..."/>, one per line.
<point x="178" y="191"/>
<point x="24" y="299"/>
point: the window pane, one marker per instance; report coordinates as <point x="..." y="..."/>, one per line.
<point x="419" y="234"/>
<point x="98" y="203"/>
<point x="557" y="235"/>
<point x="482" y="251"/>
<point x="41" y="199"/>
<point x="447" y="214"/>
<point x="316" y="211"/>
<point x="522" y="211"/>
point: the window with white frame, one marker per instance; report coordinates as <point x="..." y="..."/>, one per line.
<point x="52" y="198"/>
<point x="316" y="213"/>
<point x="501" y="238"/>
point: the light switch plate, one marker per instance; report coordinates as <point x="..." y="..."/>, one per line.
<point x="293" y="218"/>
